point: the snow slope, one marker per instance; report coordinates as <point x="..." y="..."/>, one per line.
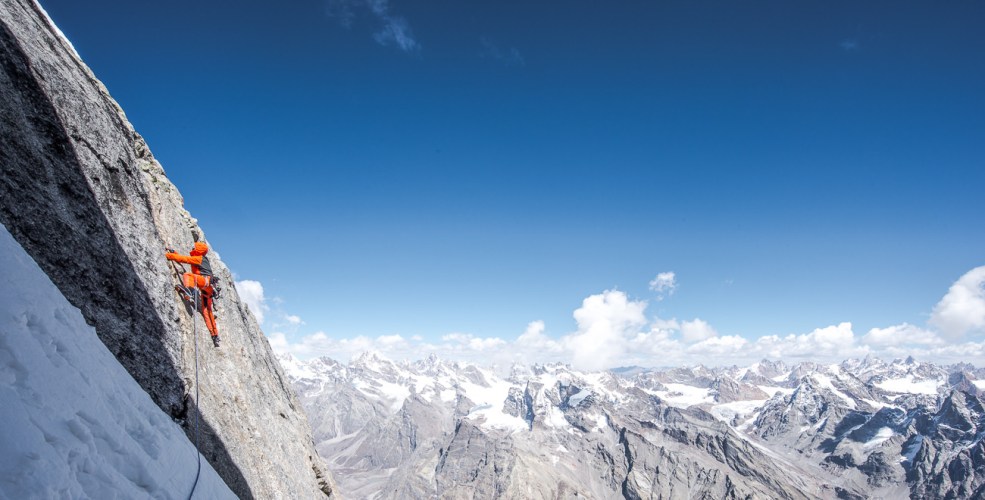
<point x="74" y="423"/>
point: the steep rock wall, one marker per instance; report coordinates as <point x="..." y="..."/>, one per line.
<point x="82" y="193"/>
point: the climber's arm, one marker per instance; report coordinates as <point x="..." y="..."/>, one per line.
<point x="184" y="259"/>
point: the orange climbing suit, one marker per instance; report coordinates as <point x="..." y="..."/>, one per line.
<point x="195" y="279"/>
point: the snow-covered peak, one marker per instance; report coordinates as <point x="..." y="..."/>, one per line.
<point x="550" y="368"/>
<point x="293" y="366"/>
<point x="311" y="370"/>
<point x="370" y="359"/>
<point x="867" y="364"/>
<point x="431" y="365"/>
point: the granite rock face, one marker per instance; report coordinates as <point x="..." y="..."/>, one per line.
<point x="82" y="193"/>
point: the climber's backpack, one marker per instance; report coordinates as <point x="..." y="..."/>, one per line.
<point x="205" y="269"/>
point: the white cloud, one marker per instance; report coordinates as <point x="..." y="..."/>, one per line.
<point x="613" y="330"/>
<point x="485" y="344"/>
<point x="962" y="310"/>
<point x="534" y="332"/>
<point x="606" y="322"/>
<point x="456" y="337"/>
<point x="390" y="340"/>
<point x="472" y="342"/>
<point x="534" y="346"/>
<point x="665" y="324"/>
<point x="831" y="342"/>
<point x="279" y="343"/>
<point x="613" y="336"/>
<point x="726" y="345"/>
<point x="664" y="284"/>
<point x="533" y="338"/>
<point x="696" y="330"/>
<point x="454" y="346"/>
<point x="898" y="335"/>
<point x="294" y="320"/>
<point x="251" y="292"/>
<point x="654" y="347"/>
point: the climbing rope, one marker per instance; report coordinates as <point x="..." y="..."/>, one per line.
<point x="179" y="270"/>
<point x="197" y="407"/>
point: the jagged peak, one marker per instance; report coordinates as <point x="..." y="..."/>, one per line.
<point x="872" y="359"/>
<point x="371" y="355"/>
<point x="959" y="412"/>
<point x="325" y="362"/>
<point x="907" y="361"/>
<point x="430" y="365"/>
<point x="550" y="367"/>
<point x="370" y="359"/>
<point x="869" y="362"/>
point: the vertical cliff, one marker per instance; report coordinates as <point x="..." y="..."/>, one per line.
<point x="82" y="193"/>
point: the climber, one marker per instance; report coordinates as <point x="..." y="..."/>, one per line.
<point x="201" y="277"/>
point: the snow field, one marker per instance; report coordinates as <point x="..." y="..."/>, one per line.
<point x="75" y="423"/>
<point x="683" y="396"/>
<point x="489" y="403"/>
<point x="907" y="385"/>
<point x="883" y="435"/>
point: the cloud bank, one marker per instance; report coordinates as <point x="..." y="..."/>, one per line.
<point x="613" y="330"/>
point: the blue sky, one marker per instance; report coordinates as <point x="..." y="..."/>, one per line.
<point x="390" y="168"/>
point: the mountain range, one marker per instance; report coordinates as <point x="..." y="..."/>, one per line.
<point x="857" y="429"/>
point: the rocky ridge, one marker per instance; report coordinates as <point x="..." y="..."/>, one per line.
<point x="83" y="195"/>
<point x="858" y="429"/>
